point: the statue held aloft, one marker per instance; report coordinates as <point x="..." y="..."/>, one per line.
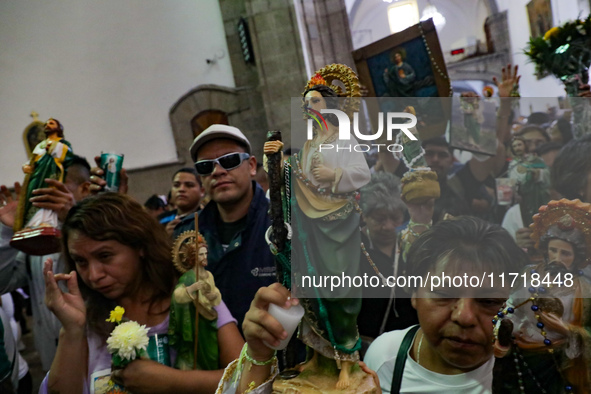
<point x="35" y="228"/>
<point x="323" y="208"/>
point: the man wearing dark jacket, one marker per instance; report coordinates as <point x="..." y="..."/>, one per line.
<point x="235" y="220"/>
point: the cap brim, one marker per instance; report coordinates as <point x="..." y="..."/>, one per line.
<point x="214" y="136"/>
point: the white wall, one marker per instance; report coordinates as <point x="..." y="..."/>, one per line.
<point x="109" y="70"/>
<point x="562" y="10"/>
<point x="463" y="18"/>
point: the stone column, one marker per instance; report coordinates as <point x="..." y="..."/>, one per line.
<point x="279" y="59"/>
<point x="327" y="35"/>
<point x="497" y="28"/>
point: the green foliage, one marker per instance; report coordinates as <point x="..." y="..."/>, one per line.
<point x="118" y="362"/>
<point x="563" y="51"/>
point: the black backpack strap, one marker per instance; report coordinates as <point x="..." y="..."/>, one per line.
<point x="401" y="359"/>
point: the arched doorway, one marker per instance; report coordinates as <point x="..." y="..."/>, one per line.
<point x="206" y="118"/>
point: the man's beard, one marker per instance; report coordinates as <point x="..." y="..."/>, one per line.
<point x="50" y="131"/>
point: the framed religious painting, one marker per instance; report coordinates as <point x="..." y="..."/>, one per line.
<point x="539" y="13"/>
<point x="407" y="69"/>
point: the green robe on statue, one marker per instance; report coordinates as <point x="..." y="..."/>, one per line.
<point x="45" y="165"/>
<point x="181" y="332"/>
<point x="326" y="242"/>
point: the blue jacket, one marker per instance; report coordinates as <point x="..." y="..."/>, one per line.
<point x="166" y="217"/>
<point x="247" y="264"/>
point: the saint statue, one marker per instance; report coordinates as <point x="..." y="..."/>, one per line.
<point x="532" y="177"/>
<point x="471" y="107"/>
<point x="399" y="77"/>
<point x="325" y="217"/>
<point x="546" y="321"/>
<point x="36" y="229"/>
<point x="192" y="328"/>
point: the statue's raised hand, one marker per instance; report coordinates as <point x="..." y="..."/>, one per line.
<point x="272" y="147"/>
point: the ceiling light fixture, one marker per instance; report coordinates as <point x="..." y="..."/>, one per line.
<point x="430" y="11"/>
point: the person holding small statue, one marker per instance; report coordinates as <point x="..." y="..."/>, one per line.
<point x="195" y="293"/>
<point x="50" y="160"/>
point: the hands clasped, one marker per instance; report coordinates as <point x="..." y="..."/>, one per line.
<point x="323" y="173"/>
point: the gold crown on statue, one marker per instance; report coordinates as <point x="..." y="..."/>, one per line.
<point x="316" y="80"/>
<point x="567" y="215"/>
<point x="337" y="72"/>
<point x="185" y="250"/>
<point x="344" y="75"/>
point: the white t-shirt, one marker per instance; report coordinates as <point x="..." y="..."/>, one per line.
<point x="8" y="307"/>
<point x="381" y="357"/>
<point x="512" y="220"/>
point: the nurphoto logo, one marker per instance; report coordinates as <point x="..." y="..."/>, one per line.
<point x="394" y="121"/>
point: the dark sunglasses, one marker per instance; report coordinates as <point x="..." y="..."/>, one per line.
<point x="227" y="162"/>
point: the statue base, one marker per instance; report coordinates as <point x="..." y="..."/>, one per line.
<point x="37" y="241"/>
<point x="319" y="381"/>
<point x="315" y="384"/>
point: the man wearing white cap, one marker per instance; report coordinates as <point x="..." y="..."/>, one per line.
<point x="235" y="220"/>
